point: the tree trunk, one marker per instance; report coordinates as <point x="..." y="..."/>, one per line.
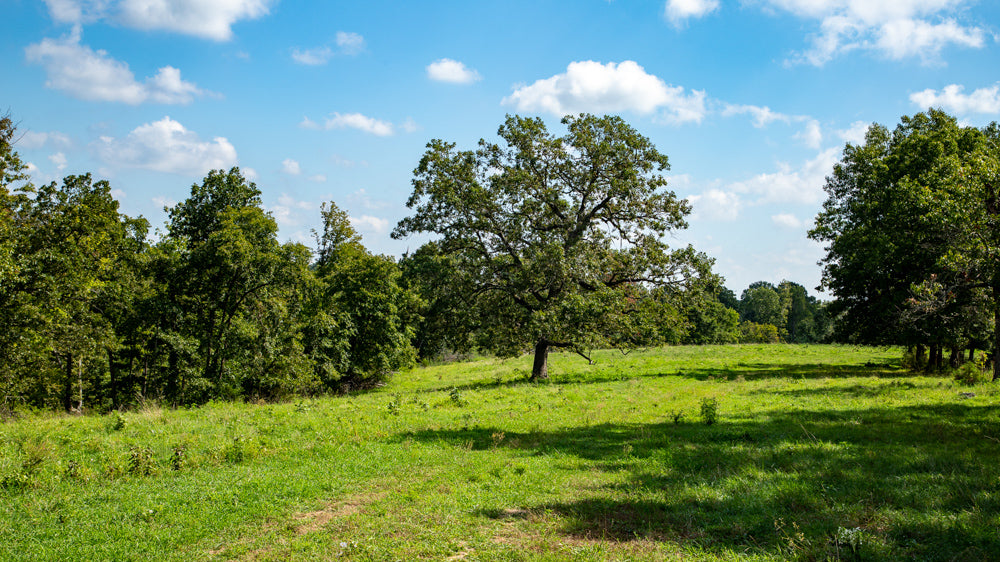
<point x="79" y="380"/>
<point x="540" y="368"/>
<point x="112" y="379"/>
<point x="932" y="357"/>
<point x="955" y="358"/>
<point x="67" y="397"/>
<point x="972" y="354"/>
<point x="921" y="360"/>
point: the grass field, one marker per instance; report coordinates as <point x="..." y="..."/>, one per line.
<point x="815" y="453"/>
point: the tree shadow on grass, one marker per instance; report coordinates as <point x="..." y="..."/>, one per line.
<point x="911" y="482"/>
<point x="748" y="371"/>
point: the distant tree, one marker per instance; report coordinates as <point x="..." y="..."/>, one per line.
<point x="557" y="240"/>
<point x="760" y="303"/>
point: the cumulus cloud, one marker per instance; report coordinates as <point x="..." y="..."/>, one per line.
<point x="347" y="44"/>
<point x="289" y="211"/>
<point x="290" y="167"/>
<point x="211" y="20"/>
<point x="368" y="223"/>
<point x="787" y="220"/>
<point x="352" y="121"/>
<point x="453" y="71"/>
<point x="94" y="76"/>
<point x="59" y="159"/>
<point x="788" y="185"/>
<point x="166" y="146"/>
<point x="812" y="135"/>
<point x="716" y="204"/>
<point x="954" y="99"/>
<point x="855" y="134"/>
<point x="680" y="11"/>
<point x="898" y="29"/>
<point x="592" y="87"/>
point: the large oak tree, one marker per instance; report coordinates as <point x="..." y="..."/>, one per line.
<point x="556" y="241"/>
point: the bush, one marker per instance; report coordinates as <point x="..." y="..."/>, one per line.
<point x="752" y="332"/>
<point x="974" y="372"/>
<point x="709" y="410"/>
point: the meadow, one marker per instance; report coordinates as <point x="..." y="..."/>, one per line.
<point x="749" y="452"/>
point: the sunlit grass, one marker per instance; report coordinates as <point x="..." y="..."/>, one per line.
<point x="818" y="452"/>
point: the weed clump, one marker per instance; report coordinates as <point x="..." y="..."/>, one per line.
<point x="709" y="411"/>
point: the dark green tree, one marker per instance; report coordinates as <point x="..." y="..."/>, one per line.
<point x="558" y="239"/>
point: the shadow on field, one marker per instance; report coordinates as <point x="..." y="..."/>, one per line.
<point x="749" y="371"/>
<point x="917" y="482"/>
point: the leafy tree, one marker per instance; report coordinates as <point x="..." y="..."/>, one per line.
<point x="760" y="303"/>
<point x="556" y="240"/>
<point x="911" y="218"/>
<point x="363" y="295"/>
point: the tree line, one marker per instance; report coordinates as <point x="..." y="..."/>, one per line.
<point x="540" y="242"/>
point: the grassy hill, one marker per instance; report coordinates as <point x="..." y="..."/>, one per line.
<point x="814" y="452"/>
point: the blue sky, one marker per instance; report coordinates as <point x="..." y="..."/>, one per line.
<point x="752" y="100"/>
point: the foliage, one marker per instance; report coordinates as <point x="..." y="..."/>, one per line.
<point x="751" y="332"/>
<point x="554" y="241"/>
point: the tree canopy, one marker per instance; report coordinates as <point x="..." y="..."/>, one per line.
<point x="556" y="241"/>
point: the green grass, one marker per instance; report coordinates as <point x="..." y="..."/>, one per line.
<point x="817" y="452"/>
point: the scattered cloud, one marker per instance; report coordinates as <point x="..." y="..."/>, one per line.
<point x="350" y="43"/>
<point x="592" y="87"/>
<point x="368" y="223"/>
<point x="290" y="167"/>
<point x="347" y="44"/>
<point x="352" y="121"/>
<point x="453" y="71"/>
<point x="716" y="204"/>
<point x="787" y="220"/>
<point x="39" y="139"/>
<point x="166" y="146"/>
<point x="812" y="135"/>
<point x="312" y="57"/>
<point x="59" y="159"/>
<point x="289" y="211"/>
<point x="161" y="201"/>
<point x="897" y="30"/>
<point x="788" y="185"/>
<point x="855" y="134"/>
<point x="92" y="75"/>
<point x="954" y="99"/>
<point x="318" y="178"/>
<point x="210" y="20"/>
<point x="762" y="116"/>
<point x="680" y="11"/>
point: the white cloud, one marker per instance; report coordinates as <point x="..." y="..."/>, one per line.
<point x="211" y="20"/>
<point x="762" y="116"/>
<point x="716" y="204"/>
<point x="592" y="87"/>
<point x="350" y="43"/>
<point x="896" y="29"/>
<point x="164" y="201"/>
<point x="812" y="135"/>
<point x="39" y="139"/>
<point x="855" y="134"/>
<point x="952" y="98"/>
<point x="787" y="185"/>
<point x="448" y="70"/>
<point x="787" y="220"/>
<point x="369" y="223"/>
<point x="59" y="159"/>
<point x="289" y="211"/>
<point x="347" y="44"/>
<point x="352" y="121"/>
<point x="914" y="38"/>
<point x="166" y="146"/>
<point x="679" y="11"/>
<point x="318" y="178"/>
<point x="312" y="57"/>
<point x="94" y="76"/>
<point x="290" y="167"/>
